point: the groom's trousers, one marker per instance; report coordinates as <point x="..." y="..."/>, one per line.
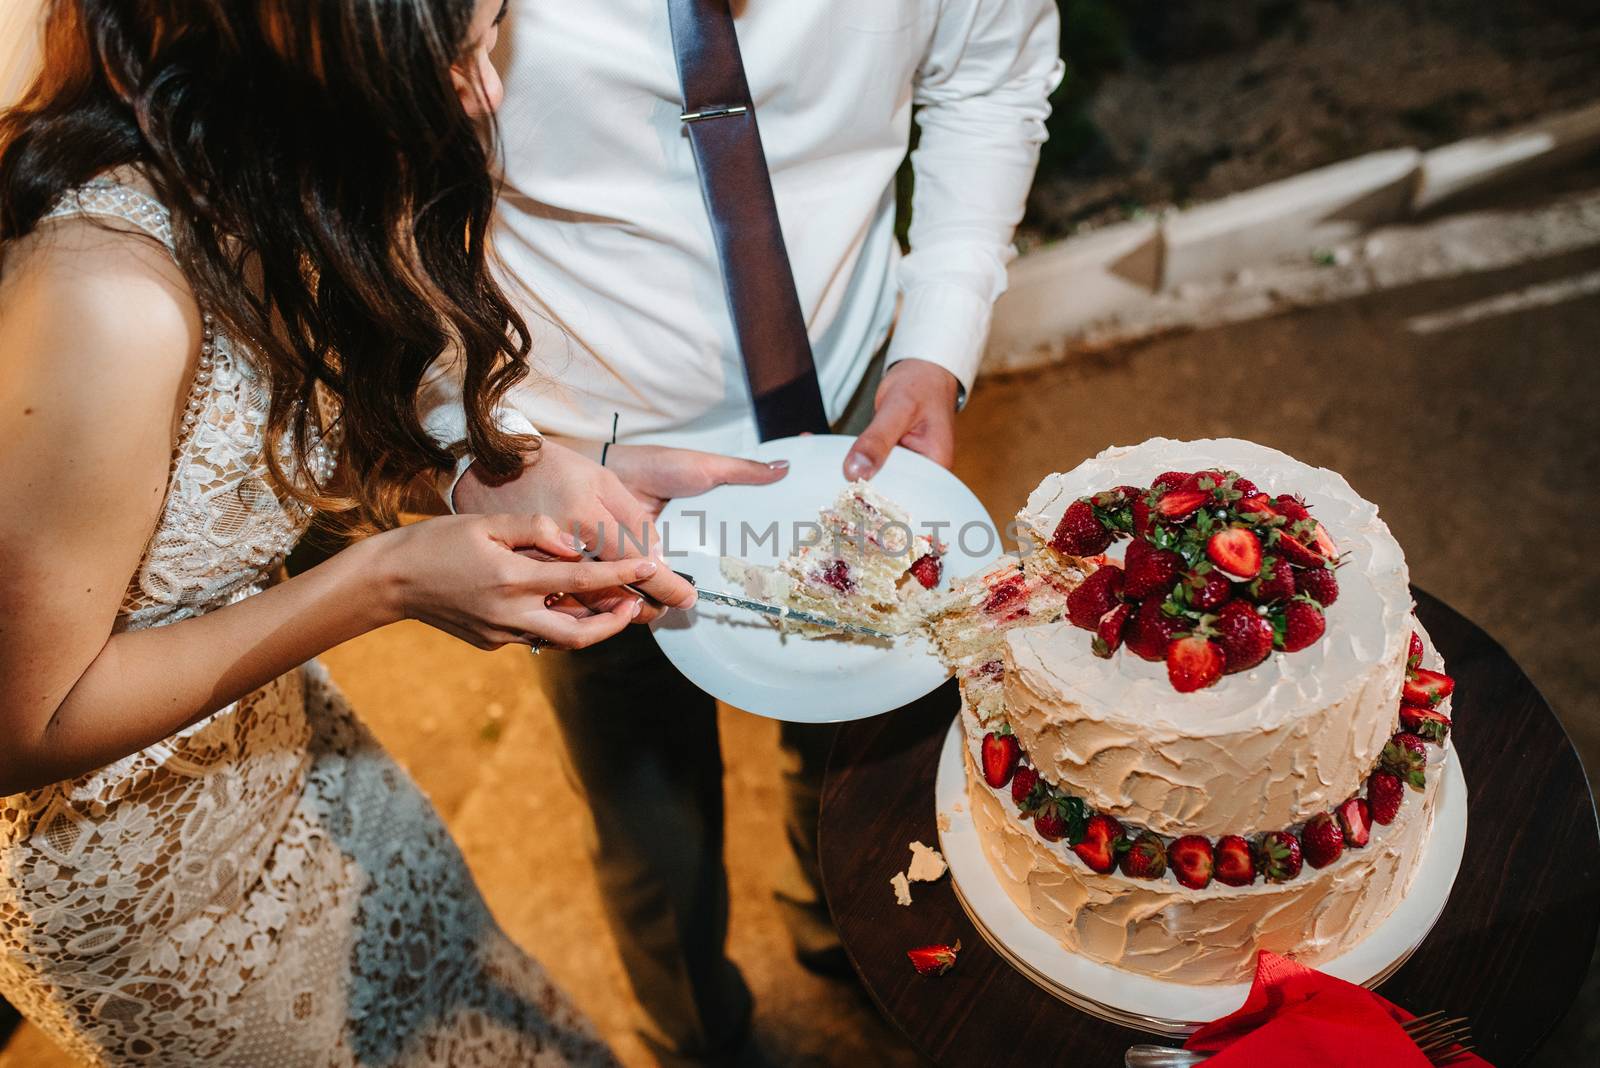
<point x="642" y="749"/>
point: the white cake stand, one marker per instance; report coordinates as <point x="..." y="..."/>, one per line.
<point x="1154" y="1005"/>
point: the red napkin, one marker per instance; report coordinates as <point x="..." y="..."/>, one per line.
<point x="1298" y="1017"/>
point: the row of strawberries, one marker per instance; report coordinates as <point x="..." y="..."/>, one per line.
<point x="1216" y="576"/>
<point x="1103" y="844"/>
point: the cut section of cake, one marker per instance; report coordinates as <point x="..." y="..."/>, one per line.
<point x="865" y="563"/>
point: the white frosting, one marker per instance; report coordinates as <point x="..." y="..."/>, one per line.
<point x="1260" y="750"/>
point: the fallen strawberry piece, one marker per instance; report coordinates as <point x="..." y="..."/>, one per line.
<point x="1193" y="663"/>
<point x="1108" y="634"/>
<point x="1322" y="841"/>
<point x="935" y="959"/>
<point x="1000" y="755"/>
<point x="1355" y="820"/>
<point x="1235" y="861"/>
<point x="1180" y="504"/>
<point x="1426" y="688"/>
<point x="1236" y="551"/>
<point x="927" y="568"/>
<point x="1428" y="723"/>
<point x="1191" y="860"/>
<point x="1098" y="848"/>
<point x="1080" y="533"/>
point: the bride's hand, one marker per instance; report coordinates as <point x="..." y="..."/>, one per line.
<point x="464" y="574"/>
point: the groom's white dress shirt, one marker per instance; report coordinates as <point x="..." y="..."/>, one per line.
<point x="607" y="248"/>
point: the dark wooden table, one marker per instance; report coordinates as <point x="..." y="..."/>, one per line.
<point x="1510" y="951"/>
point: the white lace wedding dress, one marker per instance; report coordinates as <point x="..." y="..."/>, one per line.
<point x="267" y="887"/>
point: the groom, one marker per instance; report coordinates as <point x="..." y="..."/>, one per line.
<point x="607" y="241"/>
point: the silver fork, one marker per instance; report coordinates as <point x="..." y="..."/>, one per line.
<point x="1434" y="1033"/>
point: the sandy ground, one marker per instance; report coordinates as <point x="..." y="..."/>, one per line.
<point x="1478" y="443"/>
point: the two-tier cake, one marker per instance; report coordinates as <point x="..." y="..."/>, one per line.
<point x="1201" y="718"/>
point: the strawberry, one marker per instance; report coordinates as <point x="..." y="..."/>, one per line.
<point x="1205" y="481"/>
<point x="1319" y="583"/>
<point x="1407" y="757"/>
<point x="1149" y="570"/>
<point x="1255" y="504"/>
<point x="1355" y="820"/>
<point x="1209" y="591"/>
<point x="1146" y="857"/>
<point x="1414" y="655"/>
<point x="1322" y="541"/>
<point x="1278" y="856"/>
<point x="1322" y="842"/>
<point x="1005" y="595"/>
<point x="1236" y="551"/>
<point x="1303" y="624"/>
<point x="1108" y="634"/>
<point x="1193" y="663"/>
<point x="1298" y="552"/>
<point x="1245" y="637"/>
<point x="837" y="575"/>
<point x="1094" y="596"/>
<point x="1152" y="630"/>
<point x="1275" y="583"/>
<point x="1430" y="724"/>
<point x="1079" y="533"/>
<point x="1098" y="849"/>
<point x="1180" y="504"/>
<point x="1000" y="755"/>
<point x="1059" y="816"/>
<point x="935" y="959"/>
<point x="1140" y="509"/>
<point x="927" y="569"/>
<point x="1246" y="487"/>
<point x="1236" y="863"/>
<point x="1291" y="508"/>
<point x="1191" y="860"/>
<point x="1171" y="480"/>
<point x="1385" y="791"/>
<point x="1022" y="783"/>
<point x="1426" y="688"/>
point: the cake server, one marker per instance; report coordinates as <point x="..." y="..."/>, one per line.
<point x="777" y="611"/>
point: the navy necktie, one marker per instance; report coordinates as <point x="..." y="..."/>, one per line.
<point x="721" y="124"/>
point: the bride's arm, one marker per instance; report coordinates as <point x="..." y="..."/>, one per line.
<point x="97" y="332"/>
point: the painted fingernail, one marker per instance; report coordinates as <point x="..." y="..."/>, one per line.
<point x="778" y="465"/>
<point x="638" y="606"/>
<point x="576" y="542"/>
<point x="645" y="569"/>
<point x="857" y="466"/>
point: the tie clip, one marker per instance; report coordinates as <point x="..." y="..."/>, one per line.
<point x="716" y="112"/>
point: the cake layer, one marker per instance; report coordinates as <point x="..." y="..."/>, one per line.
<point x="1262" y="749"/>
<point x="1162" y="929"/>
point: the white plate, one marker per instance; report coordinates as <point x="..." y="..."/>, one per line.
<point x="1177" y="1008"/>
<point x="737" y="656"/>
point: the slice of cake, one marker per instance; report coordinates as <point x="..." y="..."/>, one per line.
<point x="1234" y="739"/>
<point x="970" y="626"/>
<point x="866" y="564"/>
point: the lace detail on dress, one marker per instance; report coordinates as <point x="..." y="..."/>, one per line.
<point x="266" y="887"/>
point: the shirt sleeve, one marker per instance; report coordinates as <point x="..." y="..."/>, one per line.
<point x="444" y="418"/>
<point x="983" y="96"/>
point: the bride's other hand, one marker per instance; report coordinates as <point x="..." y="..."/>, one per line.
<point x="465" y="575"/>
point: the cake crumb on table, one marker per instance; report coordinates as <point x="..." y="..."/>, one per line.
<point x="927" y="864"/>
<point x="902" y="889"/>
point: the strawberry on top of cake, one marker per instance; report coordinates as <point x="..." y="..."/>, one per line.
<point x="1215" y="577"/>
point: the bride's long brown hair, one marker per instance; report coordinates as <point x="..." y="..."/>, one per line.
<point x="330" y="198"/>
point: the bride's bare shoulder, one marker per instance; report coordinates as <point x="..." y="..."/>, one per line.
<point x="100" y="293"/>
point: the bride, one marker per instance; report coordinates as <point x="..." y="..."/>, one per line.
<point x="235" y="236"/>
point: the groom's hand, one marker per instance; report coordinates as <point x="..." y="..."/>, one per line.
<point x="589" y="501"/>
<point x="655" y="474"/>
<point x="915" y="406"/>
